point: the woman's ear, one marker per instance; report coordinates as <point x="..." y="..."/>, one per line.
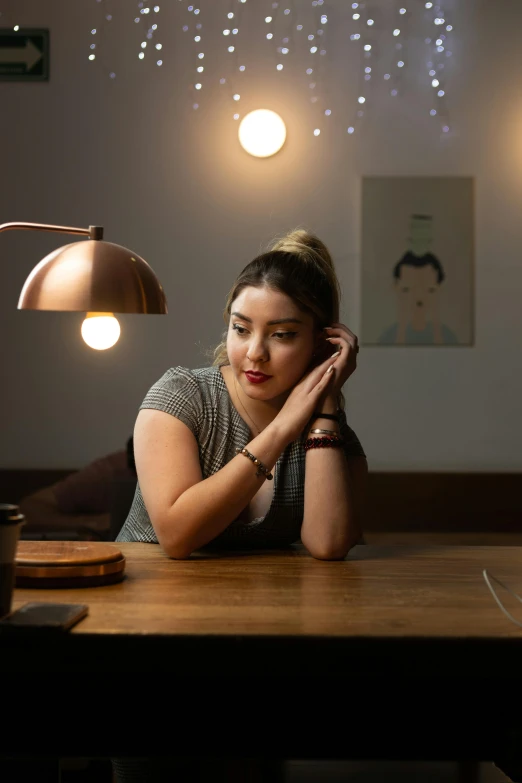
<point x="321" y="347"/>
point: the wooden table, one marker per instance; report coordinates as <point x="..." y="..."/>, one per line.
<point x="395" y="652"/>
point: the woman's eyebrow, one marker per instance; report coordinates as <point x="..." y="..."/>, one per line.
<point x="270" y="323"/>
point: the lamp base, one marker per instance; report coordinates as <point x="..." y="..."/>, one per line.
<point x="51" y="564"/>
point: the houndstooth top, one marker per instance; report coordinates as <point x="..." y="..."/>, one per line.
<point x="200" y="399"/>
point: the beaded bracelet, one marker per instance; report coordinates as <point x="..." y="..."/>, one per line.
<point x="323" y="443"/>
<point x="261" y="470"/>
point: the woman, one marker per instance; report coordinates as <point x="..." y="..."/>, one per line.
<point x="255" y="450"/>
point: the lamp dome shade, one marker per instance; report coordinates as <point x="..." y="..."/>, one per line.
<point x="93" y="276"/>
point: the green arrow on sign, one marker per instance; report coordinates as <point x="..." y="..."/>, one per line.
<point x="29" y="55"/>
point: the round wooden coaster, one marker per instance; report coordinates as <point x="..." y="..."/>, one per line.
<point x="67" y="564"/>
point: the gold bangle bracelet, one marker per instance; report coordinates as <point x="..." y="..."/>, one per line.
<point x="318" y="431"/>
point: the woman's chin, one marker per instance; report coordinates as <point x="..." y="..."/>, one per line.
<point x="263" y="392"/>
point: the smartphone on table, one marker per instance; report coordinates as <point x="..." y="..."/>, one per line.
<point x="49" y="616"/>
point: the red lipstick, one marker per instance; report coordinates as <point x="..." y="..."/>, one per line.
<point x="257" y="377"/>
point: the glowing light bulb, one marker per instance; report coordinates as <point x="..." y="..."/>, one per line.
<point x="100" y="331"/>
<point x="262" y="133"/>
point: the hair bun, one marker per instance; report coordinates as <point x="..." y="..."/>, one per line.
<point x="308" y="247"/>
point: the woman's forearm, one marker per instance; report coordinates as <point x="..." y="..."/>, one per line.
<point x="329" y="527"/>
<point x="204" y="510"/>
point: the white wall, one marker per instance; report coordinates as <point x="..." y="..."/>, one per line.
<point x="174" y="185"/>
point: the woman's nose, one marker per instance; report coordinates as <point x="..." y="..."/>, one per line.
<point x="257" y="351"/>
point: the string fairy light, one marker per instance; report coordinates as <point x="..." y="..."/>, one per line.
<point x="321" y="28"/>
<point x="314" y="66"/>
<point x="195" y="31"/>
<point x="235" y="64"/>
<point x="147" y="12"/>
<point x="98" y="51"/>
<point x="401" y="37"/>
<point x="278" y="22"/>
<point x="365" y="38"/>
<point x="380" y="35"/>
<point x="286" y="44"/>
<point x="438" y="41"/>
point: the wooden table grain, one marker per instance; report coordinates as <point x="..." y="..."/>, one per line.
<point x="386" y="593"/>
<point x="397" y="635"/>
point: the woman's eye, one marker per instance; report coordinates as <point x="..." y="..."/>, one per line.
<point x="239" y="329"/>
<point x="282" y="335"/>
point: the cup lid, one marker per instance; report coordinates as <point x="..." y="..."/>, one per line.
<point x="10" y="514"/>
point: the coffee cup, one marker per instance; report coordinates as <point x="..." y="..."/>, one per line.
<point x="11" y="522"/>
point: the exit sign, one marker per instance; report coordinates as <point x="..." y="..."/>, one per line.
<point x="24" y="55"/>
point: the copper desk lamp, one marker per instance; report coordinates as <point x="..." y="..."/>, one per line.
<point x="95" y="277"/>
<point x="92" y="276"/>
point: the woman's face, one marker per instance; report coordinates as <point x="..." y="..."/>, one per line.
<point x="269" y="336"/>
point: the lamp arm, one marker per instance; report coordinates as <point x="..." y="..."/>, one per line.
<point x="93" y="232"/>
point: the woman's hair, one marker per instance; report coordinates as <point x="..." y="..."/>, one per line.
<point x="298" y="265"/>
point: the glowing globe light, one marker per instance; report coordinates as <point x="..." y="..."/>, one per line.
<point x="100" y="330"/>
<point x="262" y="133"/>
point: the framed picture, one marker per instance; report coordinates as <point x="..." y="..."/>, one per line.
<point x="417" y="261"/>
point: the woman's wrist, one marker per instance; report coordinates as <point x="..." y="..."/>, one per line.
<point x="279" y="433"/>
<point x="327" y="405"/>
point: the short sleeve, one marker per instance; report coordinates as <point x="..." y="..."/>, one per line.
<point x="352" y="445"/>
<point x="178" y="393"/>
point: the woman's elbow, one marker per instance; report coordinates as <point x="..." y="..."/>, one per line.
<point x="173" y="547"/>
<point x="328" y="555"/>
<point x="176" y="550"/>
<point x="331" y="553"/>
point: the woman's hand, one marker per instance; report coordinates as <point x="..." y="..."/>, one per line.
<point x="345" y="341"/>
<point x="304" y="398"/>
